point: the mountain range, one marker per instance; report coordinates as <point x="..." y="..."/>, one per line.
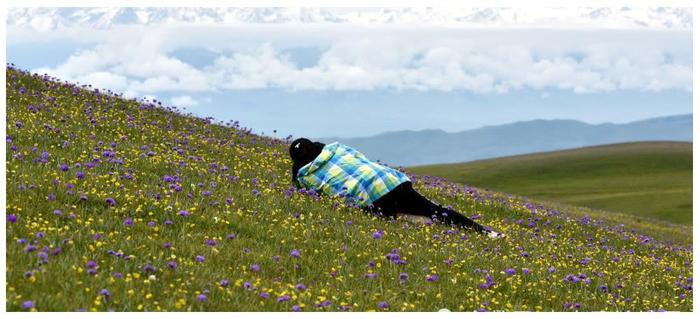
<point x="410" y="148"/>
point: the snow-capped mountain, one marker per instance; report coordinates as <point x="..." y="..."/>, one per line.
<point x="101" y="18"/>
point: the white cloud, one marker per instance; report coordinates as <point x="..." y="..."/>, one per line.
<point x="105" y="80"/>
<point x="137" y="67"/>
<point x="184" y="101"/>
<point x="139" y="59"/>
<point x="481" y="67"/>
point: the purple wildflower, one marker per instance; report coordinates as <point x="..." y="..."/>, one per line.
<point x="295" y="253"/>
<point x="383" y="305"/>
<point x="489" y="283"/>
<point x="199" y="258"/>
<point x="28" y="304"/>
<point x="571" y="278"/>
<point x="393" y="257"/>
<point x="149" y="268"/>
<point x="105" y="293"/>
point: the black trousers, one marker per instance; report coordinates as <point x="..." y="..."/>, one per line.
<point x="404" y="199"/>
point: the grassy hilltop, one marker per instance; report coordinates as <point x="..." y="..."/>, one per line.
<point x="116" y="204"/>
<point x="651" y="179"/>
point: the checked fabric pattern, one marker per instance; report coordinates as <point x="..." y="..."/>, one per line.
<point x="341" y="170"/>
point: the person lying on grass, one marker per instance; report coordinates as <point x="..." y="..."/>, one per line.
<point x="336" y="169"/>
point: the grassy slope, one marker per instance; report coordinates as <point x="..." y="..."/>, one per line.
<point x="234" y="187"/>
<point x="652" y="179"/>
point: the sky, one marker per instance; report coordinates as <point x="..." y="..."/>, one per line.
<point x="351" y="72"/>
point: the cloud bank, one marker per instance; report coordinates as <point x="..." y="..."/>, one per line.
<point x="142" y="56"/>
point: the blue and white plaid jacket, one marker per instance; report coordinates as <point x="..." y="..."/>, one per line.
<point x="341" y="170"/>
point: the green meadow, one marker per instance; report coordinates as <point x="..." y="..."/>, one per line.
<point x="649" y="179"/>
<point x="117" y="204"/>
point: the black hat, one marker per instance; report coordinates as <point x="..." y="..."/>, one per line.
<point x="298" y="148"/>
<point x="303" y="151"/>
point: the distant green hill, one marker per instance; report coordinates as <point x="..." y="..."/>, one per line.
<point x="652" y="179"/>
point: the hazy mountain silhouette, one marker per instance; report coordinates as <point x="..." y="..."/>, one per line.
<point x="408" y="148"/>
